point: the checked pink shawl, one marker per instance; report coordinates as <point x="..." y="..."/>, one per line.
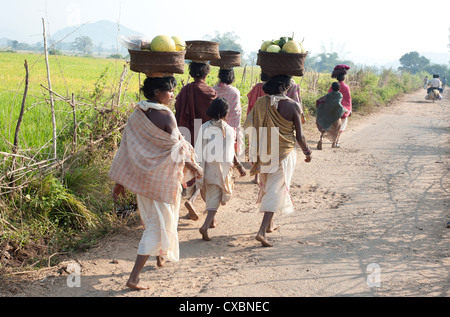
<point x="150" y="161"/>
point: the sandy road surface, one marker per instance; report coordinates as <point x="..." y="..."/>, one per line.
<point x="370" y="220"/>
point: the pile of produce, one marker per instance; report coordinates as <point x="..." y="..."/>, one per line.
<point x="161" y="56"/>
<point x="284" y="56"/>
<point x="160" y="43"/>
<point x="284" y="44"/>
<point x="165" y="43"/>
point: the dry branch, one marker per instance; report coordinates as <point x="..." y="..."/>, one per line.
<point x="52" y="105"/>
<point x="122" y="79"/>
<point x="22" y="109"/>
<point x="75" y="124"/>
<point x="56" y="94"/>
<point x="8" y="224"/>
<point x="16" y="155"/>
<point x="15" y="147"/>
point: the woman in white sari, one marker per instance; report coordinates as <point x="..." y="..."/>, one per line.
<point x="276" y="124"/>
<point x="153" y="161"/>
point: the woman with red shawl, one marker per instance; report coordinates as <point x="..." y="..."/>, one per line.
<point x="194" y="100"/>
<point x="192" y="104"/>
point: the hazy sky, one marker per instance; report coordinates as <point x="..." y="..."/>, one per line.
<point x="383" y="30"/>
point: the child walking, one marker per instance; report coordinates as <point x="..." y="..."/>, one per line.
<point x="215" y="150"/>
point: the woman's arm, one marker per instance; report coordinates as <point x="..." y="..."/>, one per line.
<point x="198" y="171"/>
<point x="301" y="140"/>
<point x="118" y="190"/>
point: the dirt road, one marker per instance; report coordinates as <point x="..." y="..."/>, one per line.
<point x="370" y="220"/>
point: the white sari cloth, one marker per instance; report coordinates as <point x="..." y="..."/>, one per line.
<point x="274" y="194"/>
<point x="344" y="124"/>
<point x="160" y="237"/>
<point x="160" y="219"/>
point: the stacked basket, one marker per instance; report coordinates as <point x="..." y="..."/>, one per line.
<point x="273" y="64"/>
<point x="156" y="64"/>
<point x="228" y="60"/>
<point x="202" y="51"/>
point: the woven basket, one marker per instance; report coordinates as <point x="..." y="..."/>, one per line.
<point x="273" y="64"/>
<point x="202" y="50"/>
<point x="148" y="62"/>
<point x="228" y="60"/>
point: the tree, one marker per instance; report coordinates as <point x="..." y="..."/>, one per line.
<point x="251" y="58"/>
<point x="83" y="44"/>
<point x="14" y="44"/>
<point x="325" y="62"/>
<point x="228" y="41"/>
<point x="412" y="62"/>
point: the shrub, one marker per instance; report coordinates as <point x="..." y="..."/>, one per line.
<point x="48" y="199"/>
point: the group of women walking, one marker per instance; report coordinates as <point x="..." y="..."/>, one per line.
<point x="198" y="146"/>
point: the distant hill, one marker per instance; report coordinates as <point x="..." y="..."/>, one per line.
<point x="103" y="33"/>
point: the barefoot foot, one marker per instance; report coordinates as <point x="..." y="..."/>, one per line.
<point x="160" y="261"/>
<point x="272" y="229"/>
<point x="241" y="170"/>
<point x="136" y="285"/>
<point x="319" y="145"/>
<point x="192" y="213"/>
<point x="263" y="240"/>
<point x="214" y="224"/>
<point x="204" y="234"/>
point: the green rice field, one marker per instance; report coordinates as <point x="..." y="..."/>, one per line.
<point x="88" y="78"/>
<point x="93" y="81"/>
<point x="68" y="75"/>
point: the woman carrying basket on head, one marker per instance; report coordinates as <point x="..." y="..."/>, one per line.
<point x="257" y="91"/>
<point x="153" y="161"/>
<point x="191" y="105"/>
<point x="275" y="115"/>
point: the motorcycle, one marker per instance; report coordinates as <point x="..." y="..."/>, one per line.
<point x="434" y="95"/>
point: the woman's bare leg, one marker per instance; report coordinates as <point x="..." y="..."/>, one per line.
<point x="319" y="144"/>
<point x="209" y="220"/>
<point x="265" y="224"/>
<point x="189" y="204"/>
<point x="272" y="227"/>
<point x="133" y="281"/>
<point x="255" y="180"/>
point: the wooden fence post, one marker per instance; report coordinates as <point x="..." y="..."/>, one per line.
<point x="52" y="105"/>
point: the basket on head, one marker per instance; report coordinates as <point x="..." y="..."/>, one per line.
<point x="149" y="62"/>
<point x="273" y="64"/>
<point x="202" y="50"/>
<point x="228" y="60"/>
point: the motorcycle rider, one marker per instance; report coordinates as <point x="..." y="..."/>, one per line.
<point x="435" y="83"/>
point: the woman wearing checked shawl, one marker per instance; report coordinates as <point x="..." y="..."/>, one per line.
<point x="153" y="161"/>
